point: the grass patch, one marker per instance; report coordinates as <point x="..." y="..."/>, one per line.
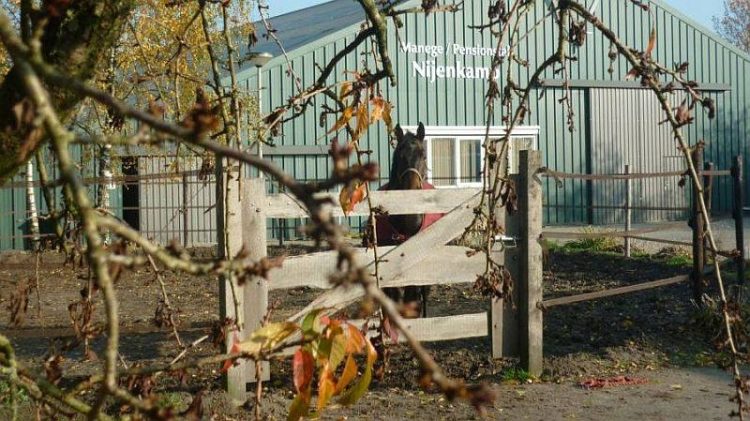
<point x="6" y="394"/>
<point x="595" y="245"/>
<point x="515" y="375"/>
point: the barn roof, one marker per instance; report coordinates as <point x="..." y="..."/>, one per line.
<point x="301" y="27"/>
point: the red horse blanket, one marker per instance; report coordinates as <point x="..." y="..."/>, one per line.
<point x="388" y="235"/>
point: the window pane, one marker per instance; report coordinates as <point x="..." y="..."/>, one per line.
<point x="471" y="161"/>
<point x="442" y="161"/>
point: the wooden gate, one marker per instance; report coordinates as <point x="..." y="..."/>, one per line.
<point x="424" y="259"/>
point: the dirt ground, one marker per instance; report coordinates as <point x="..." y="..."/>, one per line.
<point x="658" y="337"/>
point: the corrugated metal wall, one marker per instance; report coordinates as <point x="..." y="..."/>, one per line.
<point x="14" y="213"/>
<point x="457" y="102"/>
<point x="180" y="208"/>
<point x="626" y="129"/>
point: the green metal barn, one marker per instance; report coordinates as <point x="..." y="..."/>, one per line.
<point x="442" y="66"/>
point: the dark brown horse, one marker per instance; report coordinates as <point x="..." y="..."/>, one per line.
<point x="408" y="172"/>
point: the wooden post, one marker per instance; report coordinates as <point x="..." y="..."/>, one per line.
<point x="530" y="282"/>
<point x="254" y="237"/>
<point x="185" y="216"/>
<point x="698" y="228"/>
<point x="739" y="226"/>
<point x="628" y="205"/>
<point x="708" y="182"/>
<point x="231" y="295"/>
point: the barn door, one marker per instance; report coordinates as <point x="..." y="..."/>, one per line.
<point x="625" y="129"/>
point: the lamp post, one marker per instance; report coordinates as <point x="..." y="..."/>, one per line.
<point x="259" y="60"/>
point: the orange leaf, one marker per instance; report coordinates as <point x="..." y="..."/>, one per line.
<point x="363" y="121"/>
<point x="387" y="114"/>
<point x="326" y="388"/>
<point x="356" y="341"/>
<point x="378" y="106"/>
<point x="351" y="195"/>
<point x="651" y="43"/>
<point x="302" y="367"/>
<point x="350" y="372"/>
<point x="341" y="122"/>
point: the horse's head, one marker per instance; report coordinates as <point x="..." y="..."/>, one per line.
<point x="409" y="165"/>
<point x="408" y="171"/>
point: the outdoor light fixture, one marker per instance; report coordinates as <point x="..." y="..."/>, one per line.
<point x="259" y="59"/>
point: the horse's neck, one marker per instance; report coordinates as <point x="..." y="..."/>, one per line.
<point x="407" y="225"/>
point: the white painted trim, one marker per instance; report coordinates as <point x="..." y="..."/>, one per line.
<point x="459" y="133"/>
<point x="473" y="131"/>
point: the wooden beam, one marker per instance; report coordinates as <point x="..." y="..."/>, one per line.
<point x="395" y="202"/>
<point x="448" y="265"/>
<point x="546" y="304"/>
<point x="396" y="262"/>
<point x="433" y="329"/>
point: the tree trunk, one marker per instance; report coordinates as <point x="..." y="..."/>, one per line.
<point x="77" y="38"/>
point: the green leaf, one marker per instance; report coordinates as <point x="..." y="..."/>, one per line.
<point x="300" y="406"/>
<point x="311" y="324"/>
<point x="338" y="350"/>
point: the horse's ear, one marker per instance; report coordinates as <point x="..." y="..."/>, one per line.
<point x="420" y="131"/>
<point x="399" y="132"/>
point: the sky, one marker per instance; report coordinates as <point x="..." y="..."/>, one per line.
<point x="700" y="10"/>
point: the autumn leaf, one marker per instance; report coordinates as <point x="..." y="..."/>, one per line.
<point x="352" y="395"/>
<point x="363" y="121"/>
<point x="356" y="341"/>
<point x="300" y="406"/>
<point x="346" y="115"/>
<point x="350" y="195"/>
<point x="312" y="324"/>
<point x="346" y="87"/>
<point x="303" y="366"/>
<point x="266" y="337"/>
<point x="651" y="43"/>
<point x="326" y="387"/>
<point x="349" y="373"/>
<point x="338" y="349"/>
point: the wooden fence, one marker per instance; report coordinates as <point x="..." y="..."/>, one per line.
<point x="425" y="259"/>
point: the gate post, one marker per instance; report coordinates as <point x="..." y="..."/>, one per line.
<point x="240" y="220"/>
<point x="530" y="282"/>
<point x="254" y="233"/>
<point x="502" y="319"/>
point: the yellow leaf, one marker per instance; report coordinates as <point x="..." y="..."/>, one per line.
<point x="267" y="337"/>
<point x="346" y="115"/>
<point x="346" y="87"/>
<point x="338" y="350"/>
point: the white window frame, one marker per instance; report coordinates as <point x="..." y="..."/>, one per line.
<point x="459" y="133"/>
